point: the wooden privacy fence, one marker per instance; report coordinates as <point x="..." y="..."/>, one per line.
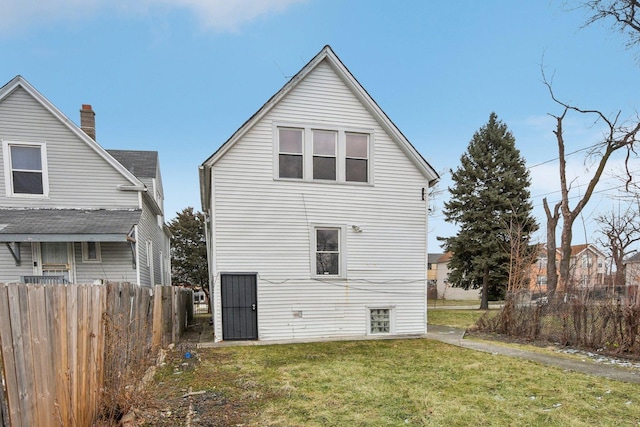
<point x="67" y="350"/>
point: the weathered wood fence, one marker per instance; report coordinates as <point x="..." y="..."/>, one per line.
<point x="66" y="350"/>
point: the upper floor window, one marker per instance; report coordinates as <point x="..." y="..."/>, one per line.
<point x="357" y="157"/>
<point x="25" y="168"/>
<point x="323" y="154"/>
<point x="290" y="154"/>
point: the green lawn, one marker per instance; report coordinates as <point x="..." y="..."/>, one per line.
<point x="449" y="302"/>
<point x="458" y="318"/>
<point x="401" y="382"/>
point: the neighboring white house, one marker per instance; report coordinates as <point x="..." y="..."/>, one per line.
<point x="445" y="290"/>
<point x="71" y="211"/>
<point x="317" y="212"/>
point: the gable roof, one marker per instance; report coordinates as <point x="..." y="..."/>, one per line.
<point x="633" y="259"/>
<point x="326" y="54"/>
<point x="19" y="81"/>
<point x="143" y="164"/>
<point x="578" y="249"/>
<point x="446" y="257"/>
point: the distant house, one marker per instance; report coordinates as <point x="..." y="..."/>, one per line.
<point x="432" y="268"/>
<point x="445" y="289"/>
<point x="587" y="268"/>
<point x="539" y="272"/>
<point x="632" y="276"/>
<point x="71" y="211"/>
<point x="317" y="212"/>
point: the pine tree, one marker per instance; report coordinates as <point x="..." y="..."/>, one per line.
<point x="189" y="250"/>
<point x="489" y="195"/>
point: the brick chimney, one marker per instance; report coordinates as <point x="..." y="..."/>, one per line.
<point x="88" y="121"/>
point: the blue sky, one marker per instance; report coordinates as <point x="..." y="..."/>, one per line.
<point x="180" y="76"/>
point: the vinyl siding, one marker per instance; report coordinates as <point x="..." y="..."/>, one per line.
<point x="116" y="264"/>
<point x="9" y="272"/>
<point x="264" y="225"/>
<point x="149" y="231"/>
<point x="78" y="176"/>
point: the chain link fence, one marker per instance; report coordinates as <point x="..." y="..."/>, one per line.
<point x="596" y="319"/>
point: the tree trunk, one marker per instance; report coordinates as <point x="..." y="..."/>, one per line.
<point x="566" y="282"/>
<point x="484" y="302"/>
<point x="552" y="269"/>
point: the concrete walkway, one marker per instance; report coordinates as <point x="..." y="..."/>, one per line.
<point x="455" y="337"/>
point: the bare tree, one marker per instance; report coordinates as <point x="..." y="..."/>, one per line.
<point x="619" y="230"/>
<point x="616" y="135"/>
<point x="624" y="16"/>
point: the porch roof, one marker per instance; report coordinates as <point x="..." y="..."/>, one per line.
<point x="67" y="225"/>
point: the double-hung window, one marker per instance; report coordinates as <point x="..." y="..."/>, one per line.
<point x="324" y="155"/>
<point x="290" y="153"/>
<point x="357" y="157"/>
<point x="25" y="169"/>
<point x="327" y="242"/>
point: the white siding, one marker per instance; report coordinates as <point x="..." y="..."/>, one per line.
<point x="9" y="272"/>
<point x="78" y="177"/>
<point x="446" y="291"/>
<point x="150" y="231"/>
<point x="264" y="225"/>
<point x="116" y="264"/>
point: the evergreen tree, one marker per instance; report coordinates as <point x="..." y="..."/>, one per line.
<point x="490" y="194"/>
<point x="189" y="249"/>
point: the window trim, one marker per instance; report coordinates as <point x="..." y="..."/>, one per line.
<point x="307" y="152"/>
<point x="8" y="168"/>
<point x="342" y="251"/>
<point x="85" y="253"/>
<point x="392" y="319"/>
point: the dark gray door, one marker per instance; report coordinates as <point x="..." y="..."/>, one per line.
<point x="239" y="307"/>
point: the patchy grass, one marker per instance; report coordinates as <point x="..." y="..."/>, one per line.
<point x="453" y="302"/>
<point x="459" y="318"/>
<point x="397" y="383"/>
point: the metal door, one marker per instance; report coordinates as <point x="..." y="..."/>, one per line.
<point x="239" y="307"/>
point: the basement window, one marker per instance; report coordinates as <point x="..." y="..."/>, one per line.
<point x="380" y="321"/>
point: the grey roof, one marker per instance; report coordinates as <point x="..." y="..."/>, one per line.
<point x="634" y="258"/>
<point x="21" y="225"/>
<point x="142" y="164"/>
<point x="433" y="258"/>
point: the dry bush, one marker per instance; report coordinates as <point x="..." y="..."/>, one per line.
<point x="585" y="320"/>
<point x="128" y="355"/>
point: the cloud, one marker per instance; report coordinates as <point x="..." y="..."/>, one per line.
<point x="20" y="15"/>
<point x="229" y="15"/>
<point x="214" y="15"/>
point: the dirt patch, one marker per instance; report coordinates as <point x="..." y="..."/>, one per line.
<point x="185" y="393"/>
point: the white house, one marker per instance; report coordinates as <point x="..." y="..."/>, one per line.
<point x="445" y="290"/>
<point x="317" y="214"/>
<point x="70" y="211"/>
